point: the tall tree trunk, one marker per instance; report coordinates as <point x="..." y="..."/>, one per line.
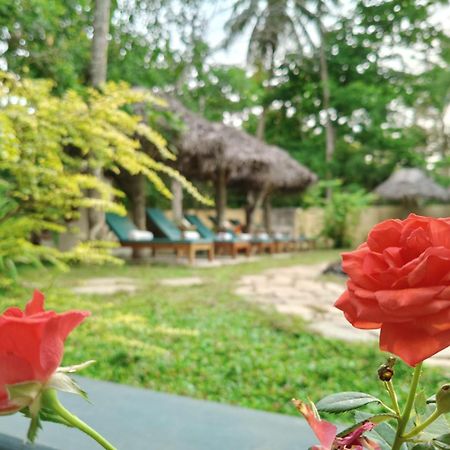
<point x="99" y="58"/>
<point x="267" y="213"/>
<point x="221" y="197"/>
<point x="137" y="196"/>
<point x="177" y="200"/>
<point x="254" y="202"/>
<point x="445" y="143"/>
<point x="99" y="62"/>
<point x="325" y="81"/>
<point x="261" y="129"/>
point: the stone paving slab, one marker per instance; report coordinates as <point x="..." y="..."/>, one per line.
<point x="299" y="290"/>
<point x="106" y="286"/>
<point x="185" y="281"/>
<point x="140" y="419"/>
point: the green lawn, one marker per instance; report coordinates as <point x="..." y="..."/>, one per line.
<point x="205" y="341"/>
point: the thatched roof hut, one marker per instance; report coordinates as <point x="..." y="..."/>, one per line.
<point x="207" y="147"/>
<point x="226" y="155"/>
<point x="214" y="151"/>
<point x="282" y="173"/>
<point x="410" y="184"/>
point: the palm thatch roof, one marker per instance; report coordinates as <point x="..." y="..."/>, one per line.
<point x="205" y="146"/>
<point x="282" y="173"/>
<point x="410" y="184"/>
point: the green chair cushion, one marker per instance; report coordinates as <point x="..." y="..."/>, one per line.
<point x="163" y="224"/>
<point x="204" y="231"/>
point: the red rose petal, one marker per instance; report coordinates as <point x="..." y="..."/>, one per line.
<point x="385" y="234"/>
<point x="36" y="304"/>
<point x="410" y="343"/>
<point x="405" y="298"/>
<point x="55" y="333"/>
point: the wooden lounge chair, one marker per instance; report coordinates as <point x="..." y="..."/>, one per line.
<point x="123" y="227"/>
<point x="259" y="245"/>
<point x="221" y="245"/>
<point x="162" y="226"/>
<point x="264" y="245"/>
<point x="284" y="243"/>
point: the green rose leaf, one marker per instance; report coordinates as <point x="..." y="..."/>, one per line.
<point x="442" y="442"/>
<point x="439" y="427"/>
<point x="345" y="401"/>
<point x="420" y="403"/>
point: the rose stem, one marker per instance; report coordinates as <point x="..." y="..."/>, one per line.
<point x="399" y="438"/>
<point x="53" y="402"/>
<point x="390" y="388"/>
<point x="429" y="420"/>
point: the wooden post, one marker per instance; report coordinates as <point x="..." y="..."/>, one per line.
<point x="267" y="212"/>
<point x="221" y="197"/>
<point x="254" y="201"/>
<point x="137" y="197"/>
<point x="177" y="201"/>
<point x="249" y="211"/>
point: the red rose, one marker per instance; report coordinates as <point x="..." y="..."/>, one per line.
<point x="399" y="281"/>
<point x="31" y="346"/>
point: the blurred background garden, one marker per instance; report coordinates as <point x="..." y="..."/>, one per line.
<point x="190" y="171"/>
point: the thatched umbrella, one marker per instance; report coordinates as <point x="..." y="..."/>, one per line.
<point x="214" y="151"/>
<point x="409" y="185"/>
<point x="283" y="173"/>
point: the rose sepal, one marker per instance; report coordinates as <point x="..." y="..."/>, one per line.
<point x="28" y="397"/>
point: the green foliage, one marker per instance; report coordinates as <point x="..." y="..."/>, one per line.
<point x="341" y="211"/>
<point x="345" y="401"/>
<point x="47" y="39"/>
<point x="373" y="90"/>
<point x="49" y="148"/>
<point x="207" y="342"/>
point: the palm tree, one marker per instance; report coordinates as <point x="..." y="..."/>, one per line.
<point x="99" y="57"/>
<point x="275" y="22"/>
<point x="98" y="69"/>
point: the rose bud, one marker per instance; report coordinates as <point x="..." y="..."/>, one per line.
<point x="31" y="350"/>
<point x="443" y="399"/>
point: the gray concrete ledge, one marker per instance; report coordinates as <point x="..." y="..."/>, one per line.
<point x="139" y="419"/>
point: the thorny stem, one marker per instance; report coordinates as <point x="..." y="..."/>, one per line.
<point x="399" y="437"/>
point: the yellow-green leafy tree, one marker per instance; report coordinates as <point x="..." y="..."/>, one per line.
<point x="48" y="147"/>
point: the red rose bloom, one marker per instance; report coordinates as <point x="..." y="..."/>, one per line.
<point x="399" y="281"/>
<point x="32" y="345"/>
